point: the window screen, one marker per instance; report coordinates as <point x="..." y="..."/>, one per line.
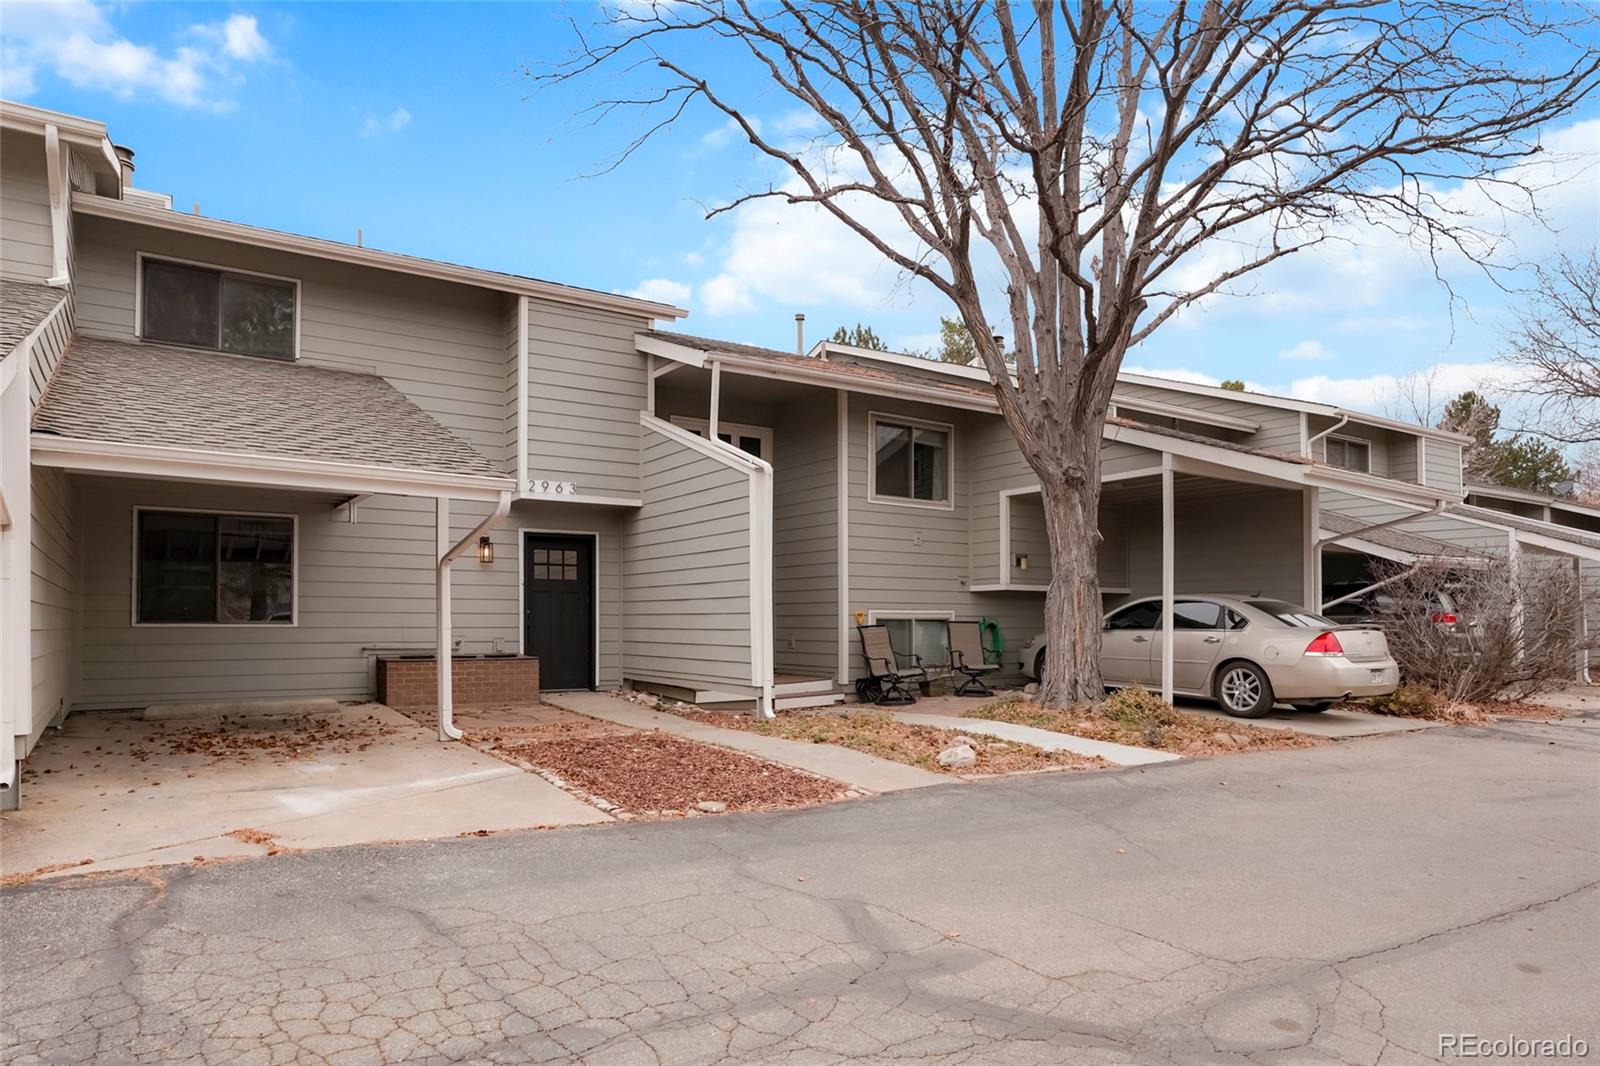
<point x="215" y="568"/>
<point x="925" y="637"/>
<point x="911" y="462"/>
<point x="1350" y="454"/>
<point x="207" y="308"/>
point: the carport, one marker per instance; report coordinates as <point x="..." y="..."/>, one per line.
<point x="1182" y="513"/>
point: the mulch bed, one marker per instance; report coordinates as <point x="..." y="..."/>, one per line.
<point x="873" y="732"/>
<point x="1186" y="734"/>
<point x="653" y="773"/>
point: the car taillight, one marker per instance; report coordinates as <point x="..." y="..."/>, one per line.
<point x="1325" y="644"/>
<point x="1444" y="618"/>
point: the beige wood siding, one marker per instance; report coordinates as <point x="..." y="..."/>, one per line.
<point x="1245" y="541"/>
<point x="53" y="592"/>
<point x="805" y="561"/>
<point x="1444" y="464"/>
<point x="1438" y="527"/>
<point x="25" y="248"/>
<point x="1403" y="457"/>
<point x="443" y="345"/>
<point x="993" y="463"/>
<point x="586" y="387"/>
<point x="686" y="570"/>
<point x="364" y="586"/>
<point x="1280" y="428"/>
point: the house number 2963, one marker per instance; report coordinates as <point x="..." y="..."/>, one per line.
<point x="546" y="487"/>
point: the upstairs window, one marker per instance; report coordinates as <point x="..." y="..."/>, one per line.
<point x="214" y="568"/>
<point x="1350" y="454"/>
<point x="911" y="461"/>
<point x="207" y="307"/>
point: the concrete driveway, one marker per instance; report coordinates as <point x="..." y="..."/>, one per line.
<point x="123" y="792"/>
<point x="1343" y="904"/>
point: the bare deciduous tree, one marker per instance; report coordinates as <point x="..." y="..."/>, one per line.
<point x="1112" y="162"/>
<point x="1556" y="347"/>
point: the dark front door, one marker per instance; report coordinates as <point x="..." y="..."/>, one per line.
<point x="558" y="608"/>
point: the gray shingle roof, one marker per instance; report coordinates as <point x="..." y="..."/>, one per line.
<point x="1527" y="525"/>
<point x="155" y="395"/>
<point x="1398" y="539"/>
<point x="23" y="306"/>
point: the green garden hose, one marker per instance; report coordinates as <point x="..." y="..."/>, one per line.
<point x="993" y="642"/>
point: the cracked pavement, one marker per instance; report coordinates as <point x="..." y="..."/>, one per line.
<point x="1345" y="904"/>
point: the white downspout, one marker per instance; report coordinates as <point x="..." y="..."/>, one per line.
<point x="716" y="400"/>
<point x="447" y="555"/>
<point x="1168" y="573"/>
<point x="1311" y="440"/>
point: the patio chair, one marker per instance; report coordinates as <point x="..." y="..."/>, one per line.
<point x="886" y="681"/>
<point x="967" y="659"/>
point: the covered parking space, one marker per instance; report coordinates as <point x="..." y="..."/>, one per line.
<point x="220" y="527"/>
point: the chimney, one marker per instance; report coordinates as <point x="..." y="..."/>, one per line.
<point x="125" y="161"/>
<point x="800" y="334"/>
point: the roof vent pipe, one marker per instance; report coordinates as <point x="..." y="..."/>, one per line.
<point x="800" y="334"/>
<point x="125" y="162"/>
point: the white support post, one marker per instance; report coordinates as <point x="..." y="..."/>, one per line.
<point x="842" y="477"/>
<point x="650" y="383"/>
<point x="1168" y="573"/>
<point x="447" y="729"/>
<point x="1311" y="557"/>
<point x="716" y="400"/>
<point x="1582" y="623"/>
<point x="522" y="394"/>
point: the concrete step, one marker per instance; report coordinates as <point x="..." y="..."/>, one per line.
<point x="813" y="699"/>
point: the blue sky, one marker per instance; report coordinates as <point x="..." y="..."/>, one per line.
<point x="412" y="122"/>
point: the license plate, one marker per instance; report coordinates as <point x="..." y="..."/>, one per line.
<point x="1377" y="676"/>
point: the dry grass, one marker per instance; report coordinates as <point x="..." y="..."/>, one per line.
<point x="1169" y="730"/>
<point x="873" y="732"/>
<point x="245" y="740"/>
<point x="653" y="773"/>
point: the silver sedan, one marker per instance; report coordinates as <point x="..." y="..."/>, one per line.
<point x="1246" y="653"/>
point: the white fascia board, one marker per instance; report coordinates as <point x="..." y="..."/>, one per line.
<point x="915" y="362"/>
<point x="1361" y="418"/>
<point x="256" y="237"/>
<point x="1379" y="488"/>
<point x="1366" y="547"/>
<point x="677" y="353"/>
<point x="267" y="471"/>
<point x="722" y="452"/>
<point x="1258" y="398"/>
<point x="1524" y="496"/>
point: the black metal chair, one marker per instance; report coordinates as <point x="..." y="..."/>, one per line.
<point x="887" y="682"/>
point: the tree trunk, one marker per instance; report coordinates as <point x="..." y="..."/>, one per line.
<point x="1072" y="612"/>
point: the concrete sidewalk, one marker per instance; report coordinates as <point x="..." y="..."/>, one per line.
<point x="109" y="788"/>
<point x="1117" y="754"/>
<point x="827" y="760"/>
<point x="1334" y="723"/>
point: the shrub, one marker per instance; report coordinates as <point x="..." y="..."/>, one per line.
<point x="1509" y="631"/>
<point x="1138" y="708"/>
<point x="1408" y="701"/>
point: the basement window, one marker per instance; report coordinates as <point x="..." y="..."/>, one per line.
<point x="213" y="569"/>
<point x="202" y="306"/>
<point x="1350" y="454"/>
<point x="926" y="637"/>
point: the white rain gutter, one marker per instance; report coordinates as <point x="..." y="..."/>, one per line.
<point x="447" y="729"/>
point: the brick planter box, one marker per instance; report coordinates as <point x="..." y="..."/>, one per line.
<point x="476" y="681"/>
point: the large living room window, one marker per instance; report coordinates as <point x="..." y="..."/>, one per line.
<point x="208" y="307"/>
<point x="911" y="461"/>
<point x="213" y="569"/>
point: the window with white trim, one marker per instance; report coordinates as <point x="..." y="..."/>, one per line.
<point x="752" y="440"/>
<point x="226" y="310"/>
<point x="911" y="460"/>
<point x="928" y="638"/>
<point x="1349" y="453"/>
<point x="220" y="569"/>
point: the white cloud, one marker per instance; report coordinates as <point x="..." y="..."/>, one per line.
<point x="726" y="295"/>
<point x="1307" y="351"/>
<point x="77" y="43"/>
<point x="661" y="290"/>
<point x="393" y="122"/>
<point x="726" y="134"/>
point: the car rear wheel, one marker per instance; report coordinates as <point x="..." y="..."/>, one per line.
<point x="1243" y="690"/>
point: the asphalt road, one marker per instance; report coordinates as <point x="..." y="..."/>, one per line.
<point x="1348" y="904"/>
